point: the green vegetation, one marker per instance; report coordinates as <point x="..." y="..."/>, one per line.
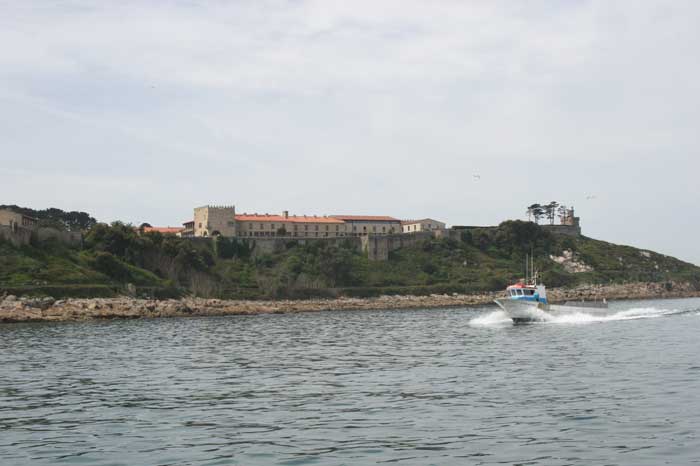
<point x="118" y="258"/>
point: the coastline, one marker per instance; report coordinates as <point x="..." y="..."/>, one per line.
<point x="25" y="309"/>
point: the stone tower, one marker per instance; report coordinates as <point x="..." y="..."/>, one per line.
<point x="570" y="218"/>
<point x="215" y="220"/>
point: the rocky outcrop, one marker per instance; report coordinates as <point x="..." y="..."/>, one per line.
<point x="14" y="309"/>
<point x="571" y="263"/>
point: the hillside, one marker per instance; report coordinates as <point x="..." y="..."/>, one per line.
<point x="115" y="259"/>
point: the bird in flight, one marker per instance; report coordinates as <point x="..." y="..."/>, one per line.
<point x="590" y="197"/>
<point x="476" y="177"/>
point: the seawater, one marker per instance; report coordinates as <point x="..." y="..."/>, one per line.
<point x="419" y="387"/>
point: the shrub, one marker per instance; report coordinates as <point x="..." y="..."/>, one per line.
<point x="109" y="265"/>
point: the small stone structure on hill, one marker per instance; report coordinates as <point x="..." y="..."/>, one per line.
<point x="570" y="225"/>
<point x="20" y="229"/>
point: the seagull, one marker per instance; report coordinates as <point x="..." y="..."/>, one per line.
<point x="476" y="177"/>
<point x="588" y="198"/>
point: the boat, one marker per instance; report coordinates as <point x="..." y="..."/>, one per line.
<point x="526" y="301"/>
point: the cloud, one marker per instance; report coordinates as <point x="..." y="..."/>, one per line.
<point x="374" y="107"/>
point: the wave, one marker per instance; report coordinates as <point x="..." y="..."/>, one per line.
<point x="542" y="317"/>
<point x="492" y="318"/>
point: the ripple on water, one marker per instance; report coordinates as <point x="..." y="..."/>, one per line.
<point x="407" y="387"/>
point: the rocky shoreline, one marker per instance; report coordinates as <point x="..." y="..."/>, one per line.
<point x="25" y="309"/>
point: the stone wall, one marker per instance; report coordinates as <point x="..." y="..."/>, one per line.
<point x="15" y="235"/>
<point x="567" y="230"/>
<point x="378" y="247"/>
<point x="272" y="245"/>
<point x="71" y="238"/>
<point x="212" y="220"/>
<point x="19" y="236"/>
<point x="10" y="218"/>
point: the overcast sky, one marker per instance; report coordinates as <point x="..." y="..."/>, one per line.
<point x="141" y="110"/>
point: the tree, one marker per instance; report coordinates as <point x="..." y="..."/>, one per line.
<point x="562" y="212"/>
<point x="535" y="211"/>
<point x="550" y="211"/>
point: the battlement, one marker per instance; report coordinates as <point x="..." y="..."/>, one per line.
<point x="217" y="207"/>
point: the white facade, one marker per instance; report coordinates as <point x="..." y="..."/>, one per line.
<point x="426" y="224"/>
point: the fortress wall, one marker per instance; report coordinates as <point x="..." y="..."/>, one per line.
<point x="378" y="247"/>
<point x="71" y="238"/>
<point x="16" y="236"/>
<point x="568" y="230"/>
<point x="263" y="245"/>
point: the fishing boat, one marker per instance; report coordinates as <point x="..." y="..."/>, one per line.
<point x="526" y="301"/>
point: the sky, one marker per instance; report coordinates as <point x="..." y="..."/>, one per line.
<point x="142" y="110"/>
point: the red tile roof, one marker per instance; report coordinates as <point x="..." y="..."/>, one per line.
<point x="164" y="230"/>
<point x="366" y="218"/>
<point x="289" y="219"/>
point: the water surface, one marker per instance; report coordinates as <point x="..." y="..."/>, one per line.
<point x="459" y="386"/>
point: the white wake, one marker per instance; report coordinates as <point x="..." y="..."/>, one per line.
<point x="492" y="318"/>
<point x="539" y="316"/>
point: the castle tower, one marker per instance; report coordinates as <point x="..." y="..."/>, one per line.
<point x="214" y="221"/>
<point x="570" y="219"/>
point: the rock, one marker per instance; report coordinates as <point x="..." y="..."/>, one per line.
<point x="130" y="289"/>
<point x="10" y="298"/>
<point x="39" y="303"/>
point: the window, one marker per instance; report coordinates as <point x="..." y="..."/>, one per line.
<point x="306" y="227"/>
<point x="337" y="228"/>
<point x="316" y="228"/>
<point x="200" y="224"/>
<point x="520" y="292"/>
<point x="250" y="226"/>
<point x="383" y="229"/>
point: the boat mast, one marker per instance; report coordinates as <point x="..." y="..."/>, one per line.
<point x="527" y="269"/>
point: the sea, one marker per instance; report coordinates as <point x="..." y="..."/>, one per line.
<point x="417" y="387"/>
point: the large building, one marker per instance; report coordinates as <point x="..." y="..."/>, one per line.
<point x="292" y="226"/>
<point x="363" y="225"/>
<point x="223" y="220"/>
